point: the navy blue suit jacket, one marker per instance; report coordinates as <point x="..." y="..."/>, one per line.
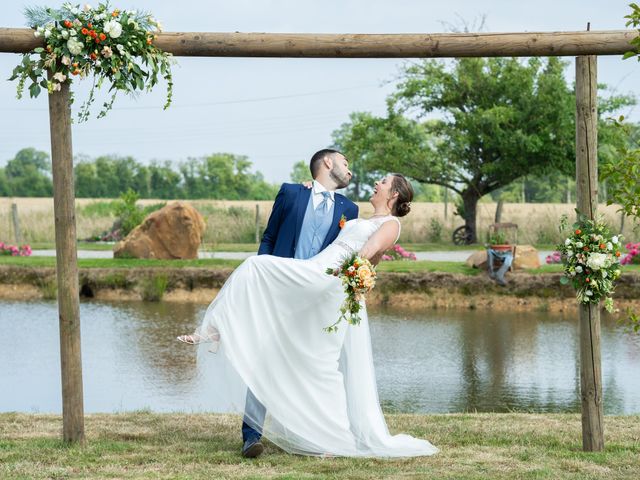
<point x="285" y="222"/>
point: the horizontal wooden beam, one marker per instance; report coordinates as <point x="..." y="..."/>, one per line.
<point x="312" y="45"/>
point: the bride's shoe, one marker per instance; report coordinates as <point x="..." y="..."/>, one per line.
<point x="194" y="339"/>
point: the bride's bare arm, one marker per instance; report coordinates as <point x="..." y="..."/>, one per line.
<point x="380" y="242"/>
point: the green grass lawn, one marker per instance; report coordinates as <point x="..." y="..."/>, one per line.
<point x="253" y="247"/>
<point x="390" y="266"/>
<point x="144" y="445"/>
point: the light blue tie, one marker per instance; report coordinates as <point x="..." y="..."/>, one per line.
<point x="323" y="208"/>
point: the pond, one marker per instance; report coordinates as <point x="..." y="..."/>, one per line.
<point x="428" y="362"/>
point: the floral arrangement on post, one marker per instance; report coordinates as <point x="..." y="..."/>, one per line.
<point x="112" y="44"/>
<point x="358" y="277"/>
<point x="15" y="251"/>
<point x="591" y="257"/>
<point x="398" y="253"/>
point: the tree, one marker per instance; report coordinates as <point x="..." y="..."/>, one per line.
<point x="28" y="174"/>
<point x="300" y="172"/>
<point x="354" y="141"/>
<point x="497" y="120"/>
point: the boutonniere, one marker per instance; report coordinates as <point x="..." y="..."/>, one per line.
<point x="342" y="221"/>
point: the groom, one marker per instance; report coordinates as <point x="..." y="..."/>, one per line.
<point x="302" y="223"/>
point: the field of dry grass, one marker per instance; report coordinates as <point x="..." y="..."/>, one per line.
<point x="193" y="446"/>
<point x="234" y="221"/>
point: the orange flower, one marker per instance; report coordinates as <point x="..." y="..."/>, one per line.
<point x="115" y="13"/>
<point x="586" y="249"/>
<point x="89" y="25"/>
<point x="75" y="65"/>
<point x="93" y="56"/>
<point x="97" y="39"/>
<point x="602" y="246"/>
<point x="85" y="31"/>
<point x="103" y="37"/>
<point x="617" y="254"/>
<point x="68" y="24"/>
<point x="93" y="34"/>
<point x="343" y="221"/>
<point x="149" y="41"/>
<point x="587" y="280"/>
<point x="578" y="232"/>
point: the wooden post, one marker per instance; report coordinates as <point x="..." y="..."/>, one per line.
<point x="587" y="202"/>
<point x="257" y="223"/>
<point x="16" y="224"/>
<point x="66" y="265"/>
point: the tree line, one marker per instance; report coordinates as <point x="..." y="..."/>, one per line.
<point x="217" y="176"/>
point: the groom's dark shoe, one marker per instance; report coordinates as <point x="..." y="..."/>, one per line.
<point x="252" y="448"/>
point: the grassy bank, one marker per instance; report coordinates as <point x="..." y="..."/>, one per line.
<point x="182" y="446"/>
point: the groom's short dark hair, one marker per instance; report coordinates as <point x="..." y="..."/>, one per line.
<point x="316" y="159"/>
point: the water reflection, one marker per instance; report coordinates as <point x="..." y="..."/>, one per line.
<point x="425" y="362"/>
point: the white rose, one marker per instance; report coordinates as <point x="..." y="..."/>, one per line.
<point x="47" y="33"/>
<point x="59" y="76"/>
<point x="567" y="242"/>
<point x="66" y="60"/>
<point x="56" y="87"/>
<point x="98" y="63"/>
<point x="75" y="11"/>
<point x="596" y="261"/>
<point x="578" y="269"/>
<point x="609" y="246"/>
<point x="113" y="28"/>
<point x="87" y="7"/>
<point x="579" y="244"/>
<point x="588" y="293"/>
<point x="614" y="239"/>
<point x="604" y="274"/>
<point x="120" y="49"/>
<point x="74" y="46"/>
<point x="72" y="33"/>
<point x="65" y="34"/>
<point x="569" y="253"/>
<point x="36" y="34"/>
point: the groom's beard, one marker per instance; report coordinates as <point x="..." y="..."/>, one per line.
<point x="341" y="179"/>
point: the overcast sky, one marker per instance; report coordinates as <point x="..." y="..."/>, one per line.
<point x="278" y="111"/>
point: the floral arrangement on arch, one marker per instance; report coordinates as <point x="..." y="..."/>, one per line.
<point x="110" y="44"/>
<point x="398" y="253"/>
<point x="591" y="258"/>
<point x="14" y="250"/>
<point x="358" y="277"/>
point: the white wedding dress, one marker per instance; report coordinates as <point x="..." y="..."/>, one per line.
<point x="319" y="388"/>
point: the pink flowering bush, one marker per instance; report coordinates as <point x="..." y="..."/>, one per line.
<point x="14" y="251"/>
<point x="398" y="253"/>
<point x="555" y="257"/>
<point x="633" y="255"/>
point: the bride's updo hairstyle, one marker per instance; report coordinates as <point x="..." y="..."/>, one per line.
<point x="405" y="194"/>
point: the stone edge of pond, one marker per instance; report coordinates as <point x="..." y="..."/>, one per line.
<point x="407" y="290"/>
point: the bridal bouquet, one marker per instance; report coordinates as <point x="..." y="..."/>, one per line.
<point x="358" y="278"/>
<point x="591" y="257"/>
<point x="112" y="44"/>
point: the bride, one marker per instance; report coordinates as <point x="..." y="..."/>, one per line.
<point x="266" y="325"/>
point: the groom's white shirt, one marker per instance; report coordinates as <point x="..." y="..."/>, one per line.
<point x="318" y="188"/>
